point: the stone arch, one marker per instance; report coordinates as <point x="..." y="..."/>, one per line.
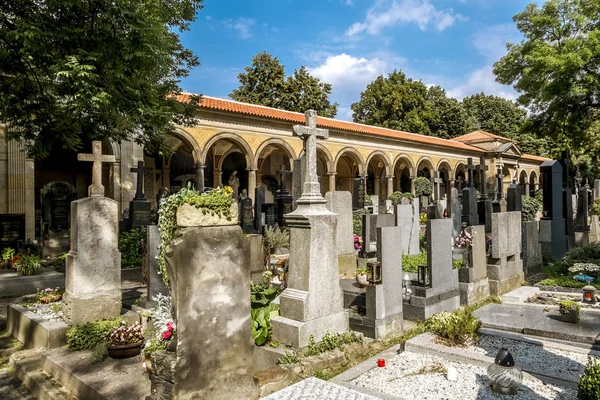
<point x="282" y="145"/>
<point x="384" y="158"/>
<point x="523" y="178"/>
<point x="326" y="154"/>
<point x="445" y="170"/>
<point x="408" y="161"/>
<point x="353" y="153"/>
<point x="248" y="153"/>
<point x="533" y="182"/>
<point x="185" y="137"/>
<point x="423" y="164"/>
<point x="404" y="173"/>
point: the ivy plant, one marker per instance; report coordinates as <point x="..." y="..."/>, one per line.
<point x="423" y="186"/>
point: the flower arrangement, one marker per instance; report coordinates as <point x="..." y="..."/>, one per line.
<point x="8" y="254"/>
<point x="122" y="335"/>
<point x="168" y="331"/>
<point x="464" y="240"/>
<point x="358" y="243"/>
<point x="488" y="245"/>
<point x="584" y="267"/>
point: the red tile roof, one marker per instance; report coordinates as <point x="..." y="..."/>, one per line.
<point x="214" y="103"/>
<point x="529" y="157"/>
<point x="480" y="136"/>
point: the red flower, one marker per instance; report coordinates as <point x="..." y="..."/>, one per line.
<point x="167" y="335"/>
<point x="170" y="328"/>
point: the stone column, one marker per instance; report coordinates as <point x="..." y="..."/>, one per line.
<point x="390" y="185"/>
<point x="251" y="182"/>
<point x="200" y="177"/>
<point x="526" y="190"/>
<point x="20" y="185"/>
<point x="376" y="186"/>
<point x="217" y="178"/>
<point x="412" y="184"/>
<point x="332" y="181"/>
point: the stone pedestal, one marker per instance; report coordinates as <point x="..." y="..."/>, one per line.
<point x="156" y="285"/>
<point x="443" y="292"/>
<point x="474" y="285"/>
<point x="595" y="229"/>
<point x="532" y="249"/>
<point x="340" y="203"/>
<point x="93" y="271"/>
<point x="552" y="237"/>
<point x="209" y="275"/>
<point x="257" y="257"/>
<point x="313" y="302"/>
<point x="504" y="266"/>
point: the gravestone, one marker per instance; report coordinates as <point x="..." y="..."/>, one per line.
<point x="156" y="285"/>
<point x="358" y="194"/>
<point x="384" y="301"/>
<point x="454" y="212"/>
<point x="567" y="202"/>
<point x="12" y="230"/>
<point x="595" y="229"/>
<point x="139" y="207"/>
<point x="270" y="214"/>
<point x="340" y="203"/>
<point x="212" y="310"/>
<point x="473" y="281"/>
<point x="442" y="293"/>
<point x="484" y="204"/>
<point x="460" y="185"/>
<point x="596" y="189"/>
<point x="435" y="209"/>
<point x="56" y="198"/>
<point x="370" y="225"/>
<point x="532" y="249"/>
<point x="514" y="201"/>
<point x="283" y="199"/>
<point x="499" y="203"/>
<point x="469" y="198"/>
<point x="504" y="265"/>
<point x="297" y="179"/>
<point x="407" y="219"/>
<point x="313" y="303"/>
<point x="581" y="225"/>
<point x="93" y="271"/>
<point x="259" y="200"/>
<point x="246" y="214"/>
<point x="552" y="223"/>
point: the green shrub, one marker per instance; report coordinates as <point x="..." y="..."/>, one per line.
<point x="457" y="328"/>
<point x="423" y="186"/>
<point x="357" y="222"/>
<point x="566" y="281"/>
<point x="289" y="358"/>
<point x="8" y="253"/>
<point x="585" y="254"/>
<point x="539" y="196"/>
<point x="596" y="206"/>
<point x="368" y="200"/>
<point x="261" y="296"/>
<point x="423" y="218"/>
<point x="588" y="387"/>
<point x="28" y="264"/>
<point x="530" y="208"/>
<point x="396" y="197"/>
<point x="131" y="246"/>
<point x="276" y="238"/>
<point x="330" y="342"/>
<point x="565" y="305"/>
<point x="457" y="264"/>
<point x="411" y="263"/>
<point x="88" y="336"/>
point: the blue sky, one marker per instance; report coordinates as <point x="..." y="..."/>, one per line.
<point x="348" y="43"/>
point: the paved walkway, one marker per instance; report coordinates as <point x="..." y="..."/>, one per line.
<point x="317" y="389"/>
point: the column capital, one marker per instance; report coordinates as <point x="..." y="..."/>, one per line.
<point x="251" y="169"/>
<point x="389" y="176"/>
<point x="332" y="173"/>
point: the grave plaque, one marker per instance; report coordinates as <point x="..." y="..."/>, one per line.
<point x="56" y="199"/>
<point x="246" y="215"/>
<point x="358" y="194"/>
<point x="283" y="198"/>
<point x="484" y="204"/>
<point x="259" y="198"/>
<point x="12" y="230"/>
<point x="469" y="198"/>
<point x="139" y="207"/>
<point x="270" y="214"/>
<point x="513" y="197"/>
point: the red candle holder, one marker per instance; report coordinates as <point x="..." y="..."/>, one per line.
<point x="381" y="363"/>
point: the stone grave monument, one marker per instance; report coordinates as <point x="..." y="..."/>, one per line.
<point x="93" y="271"/>
<point x="139" y="207"/>
<point x="473" y="282"/>
<point x="552" y="224"/>
<point x="12" y="230"/>
<point x="532" y="249"/>
<point x="407" y="219"/>
<point x="504" y="265"/>
<point x="358" y="195"/>
<point x="312" y="304"/>
<point x="369" y="235"/>
<point x="155" y="282"/>
<point x="567" y="200"/>
<point x="283" y="199"/>
<point x="514" y="201"/>
<point x="442" y="292"/>
<point x="581" y="224"/>
<point x="469" y="198"/>
<point x="595" y="229"/>
<point x="340" y="203"/>
<point x="259" y="200"/>
<point x="484" y="204"/>
<point x="499" y="204"/>
<point x="454" y="211"/>
<point x="435" y="210"/>
<point x="56" y="200"/>
<point x="596" y="189"/>
<point x="246" y="213"/>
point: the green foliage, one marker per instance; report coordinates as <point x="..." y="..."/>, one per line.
<point x="423" y="218"/>
<point x="111" y="75"/>
<point x="585" y="254"/>
<point x="331" y="342"/>
<point x="357" y="221"/>
<point x="565" y="306"/>
<point x="411" y="263"/>
<point x="368" y="200"/>
<point x="28" y="264"/>
<point x="60" y="264"/>
<point x="131" y="247"/>
<point x="495" y="114"/>
<point x="457" y="264"/>
<point x="276" y="237"/>
<point x="596" y="206"/>
<point x="289" y="358"/>
<point x="449" y="117"/>
<point x="43" y="296"/>
<point x="264" y="83"/>
<point x="88" y="336"/>
<point x="217" y="202"/>
<point x="423" y="186"/>
<point x="566" y="281"/>
<point x="457" y="328"/>
<point x="261" y="296"/>
<point x="588" y="387"/>
<point x="530" y="208"/>
<point x="396" y="197"/>
<point x="8" y="253"/>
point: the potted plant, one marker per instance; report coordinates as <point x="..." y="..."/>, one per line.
<point x="570" y="311"/>
<point x="125" y="341"/>
<point x="361" y="277"/>
<point x="463" y="243"/>
<point x="7" y="255"/>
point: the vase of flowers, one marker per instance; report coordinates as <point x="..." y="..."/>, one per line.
<point x="125" y="341"/>
<point x="463" y="242"/>
<point x="361" y="277"/>
<point x="358" y="243"/>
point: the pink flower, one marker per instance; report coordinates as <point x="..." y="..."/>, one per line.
<point x="167" y="335"/>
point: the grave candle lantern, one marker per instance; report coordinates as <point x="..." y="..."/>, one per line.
<point x="406" y="285"/>
<point x="506" y="377"/>
<point x="589" y="294"/>
<point x="374" y="272"/>
<point x="423" y="275"/>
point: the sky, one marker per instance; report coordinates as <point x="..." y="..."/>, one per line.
<point x="349" y="43"/>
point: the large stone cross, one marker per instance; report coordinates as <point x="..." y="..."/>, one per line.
<point x="499" y="184"/>
<point x="483" y="178"/>
<point x="437" y="181"/>
<point x="311" y="190"/>
<point x="282" y="172"/>
<point x="96" y="189"/>
<point x="470" y="169"/>
<point x="140" y="170"/>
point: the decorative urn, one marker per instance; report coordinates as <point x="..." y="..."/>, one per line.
<point x="506" y="377"/>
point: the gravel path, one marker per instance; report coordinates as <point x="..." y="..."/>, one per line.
<point x="415" y="376"/>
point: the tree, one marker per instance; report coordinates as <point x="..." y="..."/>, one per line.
<point x="495" y="114"/>
<point x="556" y="68"/>
<point x="264" y="83"/>
<point x="74" y="70"/>
<point x="448" y="118"/>
<point x="394" y="102"/>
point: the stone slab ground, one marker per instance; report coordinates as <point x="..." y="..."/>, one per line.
<point x="317" y="389"/>
<point x="536" y="321"/>
<point x="14" y="285"/>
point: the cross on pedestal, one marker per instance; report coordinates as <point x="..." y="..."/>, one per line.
<point x="282" y="172"/>
<point x="140" y="170"/>
<point x="311" y="191"/>
<point x="437" y="181"/>
<point x="96" y="189"/>
<point x="499" y="184"/>
<point x="470" y="169"/>
<point x="459" y="183"/>
<point x="483" y="178"/>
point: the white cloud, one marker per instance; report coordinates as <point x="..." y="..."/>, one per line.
<point x="491" y="42"/>
<point x="243" y="25"/>
<point x="482" y="80"/>
<point x="386" y="13"/>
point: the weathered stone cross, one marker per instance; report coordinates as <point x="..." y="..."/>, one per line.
<point x="140" y="170"/>
<point x="96" y="189"/>
<point x="470" y="168"/>
<point x="436" y="186"/>
<point x="311" y="191"/>
<point x="282" y="172"/>
<point x="499" y="184"/>
<point x="483" y="178"/>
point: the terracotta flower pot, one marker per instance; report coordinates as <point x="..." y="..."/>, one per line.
<point x="126" y="350"/>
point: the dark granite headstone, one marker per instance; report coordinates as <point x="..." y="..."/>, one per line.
<point x="582" y="209"/>
<point x="552" y="224"/>
<point x="270" y="212"/>
<point x="567" y="202"/>
<point x="282" y="197"/>
<point x="469" y="198"/>
<point x="358" y="194"/>
<point x="499" y="203"/>
<point x="246" y="215"/>
<point x="12" y="230"/>
<point x="513" y="197"/>
<point x="484" y="204"/>
<point x="259" y="200"/>
<point x="139" y="207"/>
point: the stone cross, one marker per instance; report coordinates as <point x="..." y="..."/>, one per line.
<point x="140" y="170"/>
<point x="436" y="186"/>
<point x="483" y="177"/>
<point x="282" y="172"/>
<point x="96" y="189"/>
<point x="311" y="191"/>
<point x="566" y="163"/>
<point x="459" y="183"/>
<point x="499" y="184"/>
<point x="470" y="168"/>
